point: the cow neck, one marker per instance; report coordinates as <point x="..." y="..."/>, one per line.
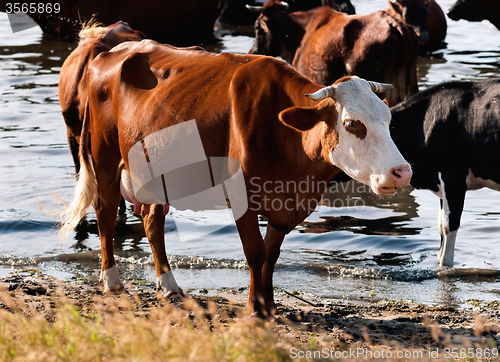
<point x="314" y="142"/>
<point x="308" y="22"/>
<point x="406" y="127"/>
<point x="307" y="155"/>
<point x="314" y="147"/>
<point x="293" y="33"/>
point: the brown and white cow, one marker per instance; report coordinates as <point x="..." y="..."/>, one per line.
<point x="275" y="124"/>
<point x="427" y="19"/>
<point x="325" y="45"/>
<point x="73" y="75"/>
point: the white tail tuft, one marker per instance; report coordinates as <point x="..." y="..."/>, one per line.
<point x="85" y="195"/>
<point x="91" y="29"/>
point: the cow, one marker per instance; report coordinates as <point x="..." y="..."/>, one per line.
<point x="450" y="134"/>
<point x="236" y="12"/>
<point x="73" y="75"/>
<point x="168" y="21"/>
<point x="427" y="19"/>
<point x="477" y="10"/>
<point x="273" y="123"/>
<point x="325" y="45"/>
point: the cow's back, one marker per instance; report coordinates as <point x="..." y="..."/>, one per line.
<point x="73" y="76"/>
<point x="374" y="46"/>
<point x="483" y="121"/>
<point x="160" y="86"/>
<point x="72" y="82"/>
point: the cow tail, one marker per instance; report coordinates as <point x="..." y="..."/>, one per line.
<point x="86" y="186"/>
<point x="91" y="29"/>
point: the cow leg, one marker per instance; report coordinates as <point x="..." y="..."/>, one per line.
<point x="273" y="241"/>
<point x="453" y="190"/>
<point x="154" y="225"/>
<point x="106" y="211"/>
<point x="254" y="249"/>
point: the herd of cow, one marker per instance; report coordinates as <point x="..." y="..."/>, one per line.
<point x="312" y="116"/>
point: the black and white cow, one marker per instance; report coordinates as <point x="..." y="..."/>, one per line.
<point x="450" y="134"/>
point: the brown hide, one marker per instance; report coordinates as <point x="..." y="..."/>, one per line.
<point x="425" y="16"/>
<point x="325" y="45"/>
<point x="374" y="46"/>
<point x="72" y="78"/>
<point x="129" y="74"/>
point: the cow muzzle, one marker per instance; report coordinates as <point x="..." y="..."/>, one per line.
<point x="388" y="184"/>
<point x="423" y="37"/>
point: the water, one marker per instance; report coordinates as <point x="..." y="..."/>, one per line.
<point x="385" y="245"/>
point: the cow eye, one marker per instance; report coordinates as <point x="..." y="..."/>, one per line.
<point x="356" y="128"/>
<point x="350" y="124"/>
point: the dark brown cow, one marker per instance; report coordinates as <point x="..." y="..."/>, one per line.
<point x="236" y="12"/>
<point x="425" y="16"/>
<point x="144" y="97"/>
<point x="325" y="45"/>
<point x="72" y="78"/>
<point x="175" y="22"/>
<point x="476" y="10"/>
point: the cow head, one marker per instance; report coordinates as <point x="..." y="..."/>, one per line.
<point x="276" y="34"/>
<point x="344" y="6"/>
<point x="471" y="10"/>
<point x="413" y="13"/>
<point x="355" y="135"/>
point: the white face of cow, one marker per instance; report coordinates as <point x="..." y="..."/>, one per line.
<point x="355" y="133"/>
<point x="365" y="150"/>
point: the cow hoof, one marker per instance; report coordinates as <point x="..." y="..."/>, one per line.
<point x="263" y="316"/>
<point x="175" y="295"/>
<point x="168" y="287"/>
<point x="261" y="313"/>
<point x="111" y="281"/>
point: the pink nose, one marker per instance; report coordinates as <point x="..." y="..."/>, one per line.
<point x="401" y="175"/>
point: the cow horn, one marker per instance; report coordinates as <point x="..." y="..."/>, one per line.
<point x="255" y="9"/>
<point x="285" y="5"/>
<point x="323" y="93"/>
<point x="379" y="87"/>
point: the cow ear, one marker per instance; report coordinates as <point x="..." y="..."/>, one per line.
<point x="396" y="6"/>
<point x="301" y="119"/>
<point x="385" y="101"/>
<point x="305" y="118"/>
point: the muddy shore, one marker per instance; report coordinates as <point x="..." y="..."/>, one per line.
<point x="325" y="326"/>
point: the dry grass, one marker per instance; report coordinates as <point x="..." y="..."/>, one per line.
<point x="119" y="332"/>
<point x="121" y="329"/>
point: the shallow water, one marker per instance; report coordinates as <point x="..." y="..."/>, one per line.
<point x="385" y="245"/>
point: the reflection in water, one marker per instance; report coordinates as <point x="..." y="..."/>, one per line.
<point x="424" y="64"/>
<point x="45" y="55"/>
<point x="353" y="194"/>
<point x="447" y="293"/>
<point x="129" y="231"/>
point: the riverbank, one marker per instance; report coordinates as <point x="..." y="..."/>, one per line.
<point x="62" y="320"/>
